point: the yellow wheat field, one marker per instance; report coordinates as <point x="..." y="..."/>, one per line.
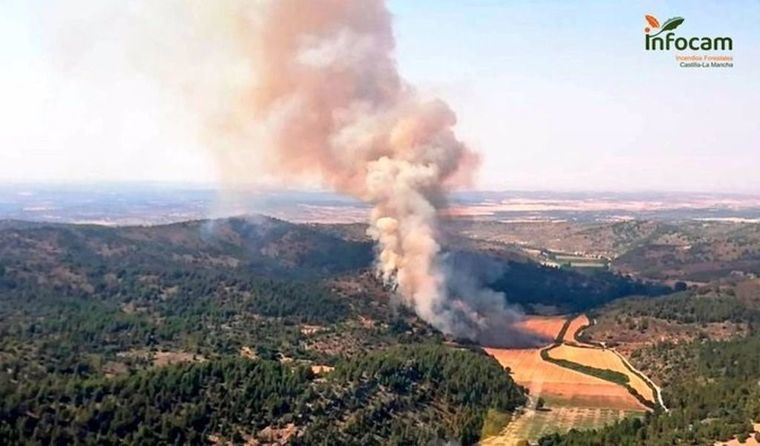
<point x="601" y="359"/>
<point x="543" y="378"/>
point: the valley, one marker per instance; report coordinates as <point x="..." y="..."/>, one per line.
<point x="90" y="313"/>
<point x="378" y="223"/>
<point x="563" y="398"/>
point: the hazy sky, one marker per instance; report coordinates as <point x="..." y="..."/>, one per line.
<point x="554" y="94"/>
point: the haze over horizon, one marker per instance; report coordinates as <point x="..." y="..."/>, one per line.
<point x="556" y="108"/>
<point x="212" y="186"/>
<point x="310" y="222"/>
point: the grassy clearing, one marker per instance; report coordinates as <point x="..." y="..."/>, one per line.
<point x="495" y="422"/>
<point x="532" y="425"/>
<point x="606" y="374"/>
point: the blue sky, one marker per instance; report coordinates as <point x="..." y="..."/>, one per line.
<point x="554" y="94"/>
<point x="561" y="94"/>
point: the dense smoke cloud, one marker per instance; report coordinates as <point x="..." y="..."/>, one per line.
<point x="318" y="97"/>
<point x="480" y="312"/>
<point x="296" y="92"/>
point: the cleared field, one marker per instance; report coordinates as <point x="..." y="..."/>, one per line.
<point x="573" y="399"/>
<point x="532" y="425"/>
<point x="560" y="384"/>
<point x="602" y="359"/>
<point x="588" y="265"/>
<point x="544" y="326"/>
<point x="557" y="383"/>
<point x="576" y="324"/>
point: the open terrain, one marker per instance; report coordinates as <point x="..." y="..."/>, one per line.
<point x="642" y="329"/>
<point x="545" y="326"/>
<point x="695" y="251"/>
<point x="534" y="424"/>
<point x="603" y="359"/>
<point x="705" y="357"/>
<point x="570" y="399"/>
<point x="576" y="325"/>
<point x="203" y="304"/>
<point x="560" y="384"/>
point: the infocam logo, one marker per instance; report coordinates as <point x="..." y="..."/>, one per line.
<point x="656" y="41"/>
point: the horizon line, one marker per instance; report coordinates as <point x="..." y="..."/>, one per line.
<point x="217" y="187"/>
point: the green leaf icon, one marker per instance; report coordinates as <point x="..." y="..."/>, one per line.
<point x="671" y="24"/>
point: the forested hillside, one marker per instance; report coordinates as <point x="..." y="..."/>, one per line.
<point x="200" y="333"/>
<point x="670" y="248"/>
<point x="149" y="263"/>
<point x="408" y="395"/>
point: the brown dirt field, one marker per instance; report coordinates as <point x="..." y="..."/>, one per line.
<point x="601" y="359"/>
<point x="575" y="400"/>
<point x="248" y="352"/>
<point x="544" y="326"/>
<point x="167" y="358"/>
<point x="552" y="381"/>
<point x="274" y="436"/>
<point x="577" y="323"/>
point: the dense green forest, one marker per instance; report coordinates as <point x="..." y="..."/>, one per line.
<point x="77" y="299"/>
<point x="87" y="257"/>
<point x="239" y="314"/>
<point x="240" y="310"/>
<point x="569" y="291"/>
<point x="706" y="304"/>
<point x="405" y="395"/>
<point x="86" y="299"/>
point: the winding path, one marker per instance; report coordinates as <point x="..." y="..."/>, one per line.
<point x="657" y="389"/>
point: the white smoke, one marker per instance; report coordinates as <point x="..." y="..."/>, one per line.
<point x="307" y="92"/>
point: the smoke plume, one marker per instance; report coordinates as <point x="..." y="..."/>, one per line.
<point x="480" y="312"/>
<point x="296" y="92"/>
<point x="318" y="97"/>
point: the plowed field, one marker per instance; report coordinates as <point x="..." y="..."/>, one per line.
<point x="557" y="383"/>
<point x="577" y="323"/>
<point x="602" y="359"/>
<point x="544" y="326"/>
<point x="573" y="399"/>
